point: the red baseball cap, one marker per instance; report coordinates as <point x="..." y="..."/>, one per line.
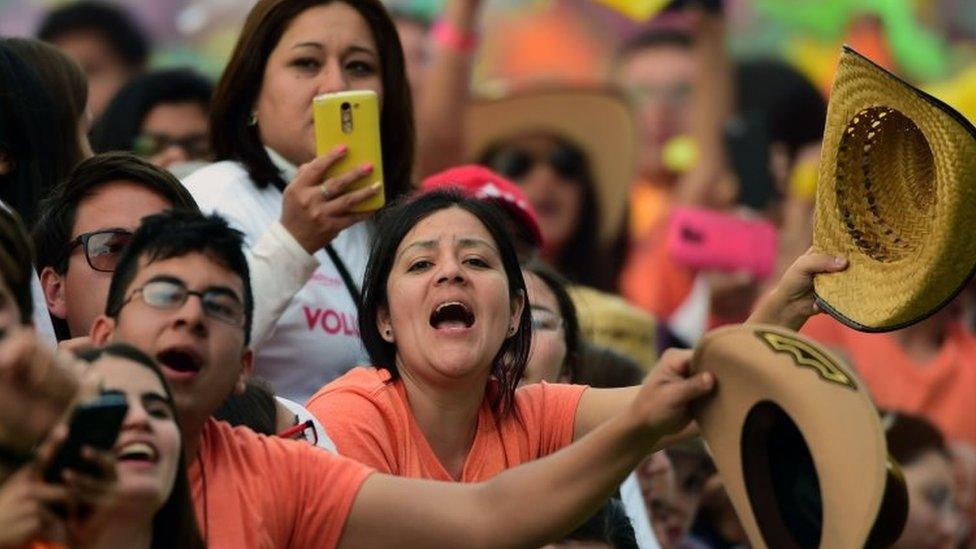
<point x="483" y="184"/>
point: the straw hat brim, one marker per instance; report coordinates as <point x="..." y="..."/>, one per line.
<point x="759" y="367"/>
<point x="896" y="197"/>
<point x="597" y="120"/>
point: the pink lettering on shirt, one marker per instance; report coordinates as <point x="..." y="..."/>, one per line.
<point x="312" y="317"/>
<point x="331" y="321"/>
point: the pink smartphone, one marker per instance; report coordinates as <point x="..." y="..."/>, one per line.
<point x="706" y="239"/>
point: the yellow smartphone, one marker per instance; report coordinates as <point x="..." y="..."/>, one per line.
<point x="351" y="118"/>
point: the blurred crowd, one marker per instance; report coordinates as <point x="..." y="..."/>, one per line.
<point x="591" y="198"/>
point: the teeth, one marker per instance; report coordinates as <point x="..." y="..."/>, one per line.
<point x="137" y="450"/>
<point x="449" y="303"/>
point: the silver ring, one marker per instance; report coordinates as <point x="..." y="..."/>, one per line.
<point x="325" y="191"/>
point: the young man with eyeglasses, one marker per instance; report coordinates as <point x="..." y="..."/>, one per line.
<point x="84" y="225"/>
<point x="181" y="293"/>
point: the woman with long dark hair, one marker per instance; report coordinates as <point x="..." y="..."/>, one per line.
<point x="42" y="121"/>
<point x="290" y="51"/>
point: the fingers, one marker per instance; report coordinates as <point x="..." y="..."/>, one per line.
<point x="312" y="173"/>
<point x="76" y="344"/>
<point x="16" y="351"/>
<point x="335" y="186"/>
<point x="813" y="262"/>
<point x="694" y="387"/>
<point x="103" y="460"/>
<point x="51" y="494"/>
<point x="676" y="361"/>
<point x="349" y="200"/>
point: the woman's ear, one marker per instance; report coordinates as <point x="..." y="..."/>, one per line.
<point x="384" y="324"/>
<point x="518" y="304"/>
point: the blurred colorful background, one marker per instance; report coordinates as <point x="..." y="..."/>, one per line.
<point x="932" y="42"/>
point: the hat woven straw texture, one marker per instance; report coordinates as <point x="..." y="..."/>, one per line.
<point x="896" y="197"/>
<point x="597" y="120"/>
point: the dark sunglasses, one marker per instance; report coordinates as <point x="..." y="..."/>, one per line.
<point x="515" y="163"/>
<point x="218" y="303"/>
<point x="102" y="248"/>
<point x="196" y="147"/>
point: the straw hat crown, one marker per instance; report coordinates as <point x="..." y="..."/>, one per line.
<point x="896" y="196"/>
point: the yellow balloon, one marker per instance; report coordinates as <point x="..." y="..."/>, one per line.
<point x="680" y="154"/>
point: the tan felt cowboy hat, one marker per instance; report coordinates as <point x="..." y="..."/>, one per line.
<point x="896" y="197"/>
<point x="797" y="442"/>
<point x="596" y="120"/>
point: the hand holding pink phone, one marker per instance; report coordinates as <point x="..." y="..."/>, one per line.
<point x="707" y="239"/>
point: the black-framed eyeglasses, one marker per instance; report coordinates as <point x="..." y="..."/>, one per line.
<point x="102" y="248"/>
<point x="302" y="431"/>
<point x="515" y="163"/>
<point x="167" y="293"/>
<point x="196" y="146"/>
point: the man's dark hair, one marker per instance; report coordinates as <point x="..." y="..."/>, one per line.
<point x="609" y="525"/>
<point x="52" y="232"/>
<point x="650" y="39"/>
<point x="121" y="123"/>
<point x="793" y="108"/>
<point x="604" y="367"/>
<point x="111" y="23"/>
<point x="910" y="437"/>
<point x="255" y="408"/>
<point x="176" y="233"/>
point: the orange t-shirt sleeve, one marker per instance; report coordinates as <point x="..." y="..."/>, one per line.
<point x="328" y="485"/>
<point x="360" y="428"/>
<point x="549" y="409"/>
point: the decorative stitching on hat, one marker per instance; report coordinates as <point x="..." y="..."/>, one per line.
<point x="807" y="356"/>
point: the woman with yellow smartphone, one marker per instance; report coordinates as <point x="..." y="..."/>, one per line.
<point x="305" y="216"/>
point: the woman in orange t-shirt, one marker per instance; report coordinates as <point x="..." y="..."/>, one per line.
<point x="144" y="503"/>
<point x="446" y="322"/>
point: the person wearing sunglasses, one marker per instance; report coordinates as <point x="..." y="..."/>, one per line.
<point x="86" y="223"/>
<point x="572" y="150"/>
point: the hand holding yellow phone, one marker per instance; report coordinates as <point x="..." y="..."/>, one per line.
<point x="352" y="119"/>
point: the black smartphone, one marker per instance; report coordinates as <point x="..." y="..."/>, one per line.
<point x="96" y="424"/>
<point x="747" y="144"/>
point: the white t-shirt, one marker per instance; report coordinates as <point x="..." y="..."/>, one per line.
<point x="306" y="330"/>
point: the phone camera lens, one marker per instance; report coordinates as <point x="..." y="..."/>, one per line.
<point x="345" y="106"/>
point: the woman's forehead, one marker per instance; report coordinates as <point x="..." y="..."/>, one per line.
<point x="454" y="224"/>
<point x="121" y="374"/>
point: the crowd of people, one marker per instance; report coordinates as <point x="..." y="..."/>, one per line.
<point x="497" y="357"/>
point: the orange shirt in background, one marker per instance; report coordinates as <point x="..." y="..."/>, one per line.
<point x="942" y="389"/>
<point x="369" y="419"/>
<point x="650" y="279"/>
<point x="250" y="490"/>
<point x="649" y="204"/>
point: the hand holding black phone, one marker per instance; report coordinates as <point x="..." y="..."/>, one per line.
<point x="94" y="424"/>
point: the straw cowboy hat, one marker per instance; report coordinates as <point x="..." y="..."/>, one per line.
<point x="607" y="320"/>
<point x="896" y="197"/>
<point x="596" y="120"/>
<point x="797" y="442"/>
